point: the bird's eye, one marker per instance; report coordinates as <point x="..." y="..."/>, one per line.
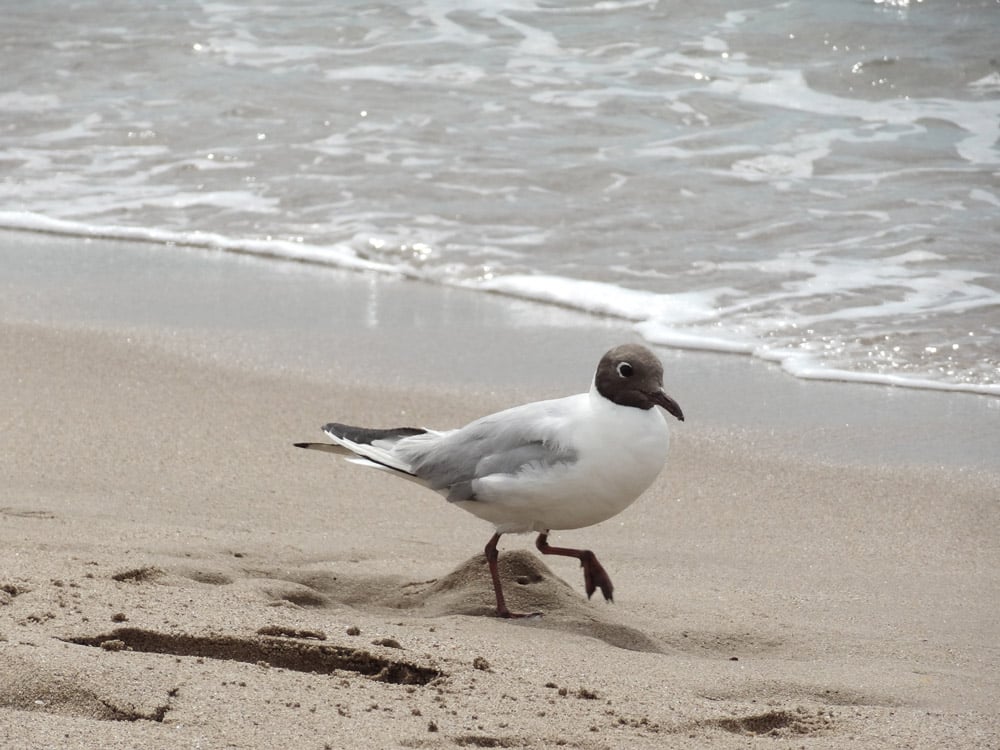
<point x="625" y="369"/>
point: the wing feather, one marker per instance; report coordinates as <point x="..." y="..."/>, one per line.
<point x="503" y="443"/>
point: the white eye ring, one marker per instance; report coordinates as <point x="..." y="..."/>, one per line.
<point x="624" y="369"/>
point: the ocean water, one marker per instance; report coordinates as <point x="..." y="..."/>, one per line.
<point x="812" y="183"/>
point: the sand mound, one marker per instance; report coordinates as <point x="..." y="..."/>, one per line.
<point x="529" y="586"/>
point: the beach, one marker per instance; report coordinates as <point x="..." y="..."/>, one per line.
<point x="818" y="566"/>
<point x="223" y="226"/>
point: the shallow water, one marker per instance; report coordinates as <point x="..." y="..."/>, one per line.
<point x="813" y="184"/>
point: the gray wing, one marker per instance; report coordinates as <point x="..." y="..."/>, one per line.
<point x="501" y="443"/>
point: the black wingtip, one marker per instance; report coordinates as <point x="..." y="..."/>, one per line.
<point x="367" y="435"/>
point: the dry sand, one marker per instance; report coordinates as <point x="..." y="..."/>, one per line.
<point x="173" y="574"/>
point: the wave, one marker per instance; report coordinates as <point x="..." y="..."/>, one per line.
<point x="686" y="320"/>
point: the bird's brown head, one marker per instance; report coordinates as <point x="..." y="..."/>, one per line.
<point x="631" y="375"/>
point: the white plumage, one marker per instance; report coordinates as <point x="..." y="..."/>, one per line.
<point x="564" y="463"/>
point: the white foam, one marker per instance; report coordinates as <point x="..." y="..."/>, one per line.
<point x="18" y="101"/>
<point x="334" y="255"/>
<point x="449" y="73"/>
<point x="85" y="128"/>
<point x="985" y="196"/>
<point x="250" y="52"/>
<point x="788" y="89"/>
<point x="777" y="325"/>
<point x="712" y="319"/>
<point x="536" y="41"/>
<point x="988" y="84"/>
<point x="609" y="299"/>
<point x="808" y="369"/>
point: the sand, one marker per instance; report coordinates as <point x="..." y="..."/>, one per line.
<point x="173" y="573"/>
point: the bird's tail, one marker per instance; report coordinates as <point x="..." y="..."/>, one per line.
<point x="366" y="446"/>
<point x="328" y="447"/>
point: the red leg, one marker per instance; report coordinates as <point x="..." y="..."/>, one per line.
<point x="594" y="575"/>
<point x="491" y="558"/>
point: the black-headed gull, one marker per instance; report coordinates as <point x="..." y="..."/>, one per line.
<point x="560" y="464"/>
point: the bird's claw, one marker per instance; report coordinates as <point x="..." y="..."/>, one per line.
<point x="595" y="577"/>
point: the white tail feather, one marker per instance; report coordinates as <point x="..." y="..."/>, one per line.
<point x="376" y="455"/>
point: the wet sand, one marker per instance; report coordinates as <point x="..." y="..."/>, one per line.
<point x="818" y="565"/>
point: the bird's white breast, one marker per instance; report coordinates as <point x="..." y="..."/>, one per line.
<point x="619" y="453"/>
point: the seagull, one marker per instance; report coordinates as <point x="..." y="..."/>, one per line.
<point x="559" y="464"/>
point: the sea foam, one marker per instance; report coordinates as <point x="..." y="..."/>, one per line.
<point x="699" y="320"/>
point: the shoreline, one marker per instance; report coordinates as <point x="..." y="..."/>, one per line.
<point x="343" y="324"/>
<point x="283" y="253"/>
<point x="771" y="584"/>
